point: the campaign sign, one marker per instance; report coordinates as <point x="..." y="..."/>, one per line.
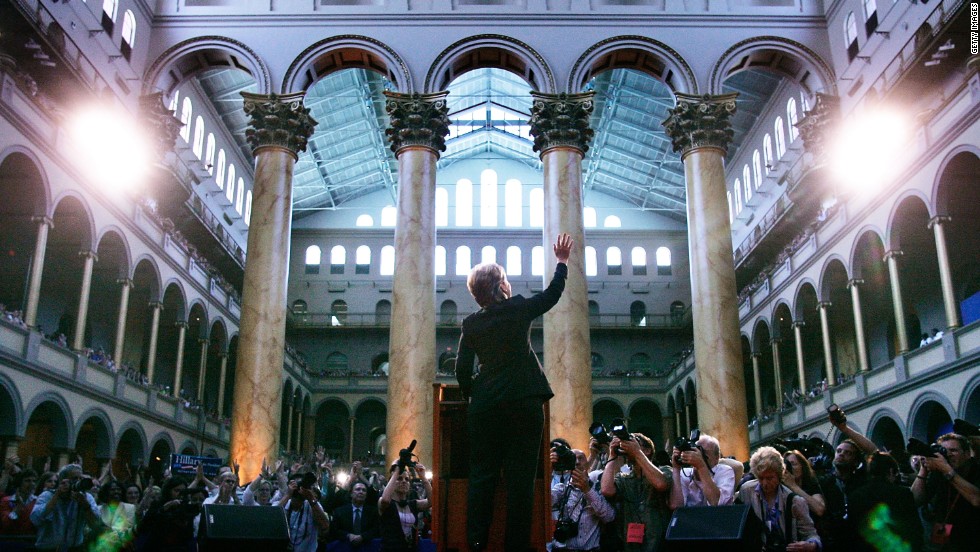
<point x="185" y="464"/>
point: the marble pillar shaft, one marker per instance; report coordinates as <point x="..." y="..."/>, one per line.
<point x="777" y="373"/>
<point x="179" y="367"/>
<point x="717" y="350"/>
<point x="37" y="269"/>
<point x="258" y="373"/>
<point x="667" y="424"/>
<point x="680" y="427"/>
<point x="862" y="347"/>
<point x="151" y="360"/>
<point x="412" y="349"/>
<point x="567" y="350"/>
<point x="79" y="341"/>
<point x="350" y="447"/>
<point x="125" y="286"/>
<point x="289" y="426"/>
<point x="945" y="273"/>
<point x="222" y="376"/>
<point x="299" y="431"/>
<point x="828" y="351"/>
<point x="894" y="278"/>
<point x="202" y="371"/>
<point x="800" y="362"/>
<point x="757" y="380"/>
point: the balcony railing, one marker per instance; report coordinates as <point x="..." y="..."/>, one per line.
<point x="368" y="320"/>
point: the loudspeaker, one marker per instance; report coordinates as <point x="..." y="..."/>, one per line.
<point x="229" y="528"/>
<point x="715" y="528"/>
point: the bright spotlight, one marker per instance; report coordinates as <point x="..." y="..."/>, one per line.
<point x="867" y="151"/>
<point x="428" y="474"/>
<point x="342" y="478"/>
<point x="112" y="150"/>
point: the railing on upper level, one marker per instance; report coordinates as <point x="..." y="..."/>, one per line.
<point x="301" y="319"/>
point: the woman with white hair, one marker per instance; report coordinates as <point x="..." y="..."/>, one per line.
<point x="785" y="515"/>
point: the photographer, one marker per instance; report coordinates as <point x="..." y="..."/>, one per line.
<point x="948" y="485"/>
<point x="847" y="476"/>
<point x="399" y="515"/>
<point x="642" y="492"/>
<point x="304" y="514"/>
<point x="581" y="509"/>
<point x="62" y="515"/>
<point x="169" y="523"/>
<point x="785" y="516"/>
<point x="699" y="479"/>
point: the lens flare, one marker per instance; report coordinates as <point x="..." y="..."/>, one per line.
<point x="868" y="150"/>
<point x="110" y="147"/>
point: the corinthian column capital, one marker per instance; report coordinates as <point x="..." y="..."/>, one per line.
<point x="816" y="124"/>
<point x="164" y="126"/>
<point x="561" y="120"/>
<point x="420" y="120"/>
<point x="701" y="121"/>
<point x="278" y="121"/>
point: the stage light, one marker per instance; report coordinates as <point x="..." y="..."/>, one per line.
<point x="428" y="474"/>
<point x="867" y="150"/>
<point x="110" y="148"/>
<point x="342" y="478"/>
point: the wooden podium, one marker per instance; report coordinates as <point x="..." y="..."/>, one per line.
<point x="450" y="466"/>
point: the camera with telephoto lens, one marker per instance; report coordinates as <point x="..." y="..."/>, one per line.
<point x="684" y="444"/>
<point x="599" y="433"/>
<point x="405" y="456"/>
<point x="916" y="447"/>
<point x="308" y="481"/>
<point x="82" y="485"/>
<point x="566" y="458"/>
<point x="565" y="529"/>
<point x="619" y="429"/>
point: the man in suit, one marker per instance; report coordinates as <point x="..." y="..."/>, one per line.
<point x="356" y="523"/>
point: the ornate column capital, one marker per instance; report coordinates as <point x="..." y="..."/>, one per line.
<point x="420" y="120"/>
<point x="125" y="282"/>
<point x="561" y="120"/>
<point x="89" y="255"/>
<point x="156" y="305"/>
<point x="756" y="355"/>
<point x="824" y="305"/>
<point x="163" y="124"/>
<point x="181" y="324"/>
<point x="892" y="253"/>
<point x="855" y="282"/>
<point x="816" y="123"/>
<point x="45" y="220"/>
<point x="204" y="341"/>
<point x="939" y="220"/>
<point x="701" y="121"/>
<point x="775" y="341"/>
<point x="798" y="323"/>
<point x="278" y="122"/>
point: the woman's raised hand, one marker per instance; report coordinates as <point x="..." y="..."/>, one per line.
<point x="563" y="247"/>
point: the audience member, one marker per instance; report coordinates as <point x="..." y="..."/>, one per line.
<point x="399" y="514"/>
<point x="15" y="510"/>
<point x="580" y="508"/>
<point x="698" y="478"/>
<point x="883" y="511"/>
<point x="305" y="516"/>
<point x="62" y="515"/>
<point x="641" y="493"/>
<point x="356" y="523"/>
<point x="948" y="488"/>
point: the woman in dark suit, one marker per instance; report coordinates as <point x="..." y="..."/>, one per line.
<point x="505" y="416"/>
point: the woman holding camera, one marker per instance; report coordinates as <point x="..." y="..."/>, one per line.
<point x="801" y="479"/>
<point x="785" y="516"/>
<point x="399" y="515"/>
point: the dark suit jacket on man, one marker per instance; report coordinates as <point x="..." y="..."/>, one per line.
<point x="343" y="522"/>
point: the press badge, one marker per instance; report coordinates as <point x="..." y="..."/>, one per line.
<point x="635" y="533"/>
<point x="940" y="533"/>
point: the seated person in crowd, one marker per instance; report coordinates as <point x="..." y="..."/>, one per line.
<point x="642" y="493"/>
<point x="577" y="501"/>
<point x="884" y="511"/>
<point x="948" y="486"/>
<point x="356" y="523"/>
<point x="785" y="516"/>
<point x="698" y="477"/>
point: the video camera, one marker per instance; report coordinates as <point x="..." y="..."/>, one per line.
<point x="916" y="447"/>
<point x="566" y="458"/>
<point x="405" y="456"/>
<point x="684" y="444"/>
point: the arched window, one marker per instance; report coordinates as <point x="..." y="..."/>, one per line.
<point x="738" y="196"/>
<point x="593" y="312"/>
<point x="248" y="208"/>
<point x="442" y="207"/>
<point x="591" y="261"/>
<point x="313" y="259"/>
<point x="870" y="16"/>
<point x="513" y="261"/>
<point x="640" y="362"/>
<point x="364" y="220"/>
<point x="110" y="8"/>
<point x="198" y="144"/>
<point x="614" y="261"/>
<point x="488" y="198"/>
<point x="488" y="254"/>
<point x="240" y="196"/>
<point x="663" y="261"/>
<point x="336" y="363"/>
<point x="780" y="134"/>
<point x="389" y="216"/>
<point x="174" y="102"/>
<point x="464" y="203"/>
<point x="219" y="177"/>
<point x="792" y="118"/>
<point x="612" y="221"/>
<point x="851" y="36"/>
<point x="589" y="217"/>
<point x="767" y="152"/>
<point x="128" y="35"/>
<point x="440" y="260"/>
<point x="362" y="260"/>
<point x="537" y="261"/>
<point x="382" y="312"/>
<point x="463" y="265"/>
<point x="677" y="312"/>
<point x="447" y="313"/>
<point x="338" y="258"/>
<point x="209" y="154"/>
<point x="747" y="182"/>
<point x="300" y="306"/>
<point x="514" y="203"/>
<point x="230" y="186"/>
<point x="387" y="267"/>
<point x="731" y="217"/>
<point x="638" y="313"/>
<point x="757" y="169"/>
<point x="535" y="212"/>
<point x="804" y="102"/>
<point x="338" y="312"/>
<point x="638" y="258"/>
<point x="186" y="114"/>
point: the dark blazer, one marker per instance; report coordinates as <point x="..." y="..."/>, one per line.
<point x="343" y="522"/>
<point x="500" y="336"/>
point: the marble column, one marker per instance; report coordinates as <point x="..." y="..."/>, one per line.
<point x="125" y="285"/>
<point x="777" y="373"/>
<point x="862" y="347"/>
<point x="687" y="416"/>
<point x="289" y="425"/>
<point x="151" y="354"/>
<point x="668" y="428"/>
<point x="202" y="370"/>
<point x="757" y="380"/>
<point x="277" y="133"/>
<point x="828" y="352"/>
<point x="945" y="273"/>
<point x="90" y="258"/>
<point x="891" y="257"/>
<point x="299" y="430"/>
<point x="179" y="364"/>
<point x="800" y="363"/>
<point x="44" y="224"/>
<point x="700" y="130"/>
<point x="350" y="443"/>
<point x="419" y="125"/>
<point x="677" y="418"/>
<point x="560" y="128"/>
<point x="309" y="432"/>
<point x="222" y="377"/>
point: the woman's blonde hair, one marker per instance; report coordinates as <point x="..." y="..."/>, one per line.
<point x="765" y="459"/>
<point x="484" y="283"/>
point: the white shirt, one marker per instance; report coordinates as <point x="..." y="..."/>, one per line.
<point x="724" y="478"/>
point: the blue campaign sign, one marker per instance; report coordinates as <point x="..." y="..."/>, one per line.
<point x="185" y="464"/>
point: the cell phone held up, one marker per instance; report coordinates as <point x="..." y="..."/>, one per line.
<point x="837" y="416"/>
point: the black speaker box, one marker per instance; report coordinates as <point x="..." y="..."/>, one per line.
<point x="715" y="528"/>
<point x="229" y="528"/>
